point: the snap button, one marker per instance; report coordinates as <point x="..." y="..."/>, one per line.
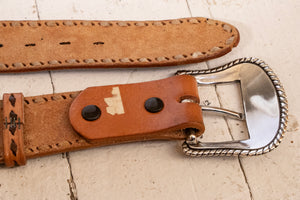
<point x="91" y="112"/>
<point x="154" y="105"/>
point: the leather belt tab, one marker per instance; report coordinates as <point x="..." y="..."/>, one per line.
<point x="140" y="111"/>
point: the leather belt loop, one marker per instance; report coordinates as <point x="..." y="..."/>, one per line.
<point x="13" y="120"/>
<point x="140" y="111"/>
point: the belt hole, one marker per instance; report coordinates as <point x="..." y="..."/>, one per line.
<point x="65" y="43"/>
<point x="98" y="43"/>
<point x="30" y="45"/>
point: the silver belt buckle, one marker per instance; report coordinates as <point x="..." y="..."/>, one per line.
<point x="265" y="109"/>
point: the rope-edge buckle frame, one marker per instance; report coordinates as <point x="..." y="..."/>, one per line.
<point x="192" y="146"/>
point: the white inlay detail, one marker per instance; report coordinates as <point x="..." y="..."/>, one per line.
<point x="115" y="105"/>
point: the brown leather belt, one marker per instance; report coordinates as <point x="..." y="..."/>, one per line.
<point x="49" y="124"/>
<point x="42" y="125"/>
<point x="49" y="45"/>
<point x="163" y="109"/>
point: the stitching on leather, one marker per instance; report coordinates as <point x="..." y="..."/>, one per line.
<point x="37" y="149"/>
<point x="69" y="23"/>
<point x="122" y="60"/>
<point x="118" y="23"/>
<point x="44" y="99"/>
<point x="102" y="23"/>
<point x="180" y="56"/>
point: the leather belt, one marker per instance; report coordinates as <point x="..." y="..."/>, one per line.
<point x="48" y="45"/>
<point x="49" y="124"/>
<point x="163" y="109"/>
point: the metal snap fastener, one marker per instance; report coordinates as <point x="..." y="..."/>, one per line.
<point x="91" y="112"/>
<point x="154" y="105"/>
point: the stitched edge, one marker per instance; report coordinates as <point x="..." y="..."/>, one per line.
<point x="49" y="98"/>
<point x="45" y="99"/>
<point x="91" y="61"/>
<point x="37" y="149"/>
<point x="69" y="23"/>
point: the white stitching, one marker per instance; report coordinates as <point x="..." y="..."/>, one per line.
<point x="123" y="24"/>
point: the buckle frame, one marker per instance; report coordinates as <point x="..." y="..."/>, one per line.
<point x="265" y="109"/>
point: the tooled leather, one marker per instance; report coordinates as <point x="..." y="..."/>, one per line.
<point x="123" y="114"/>
<point x="13" y="142"/>
<point x="46" y="45"/>
<point x="48" y="129"/>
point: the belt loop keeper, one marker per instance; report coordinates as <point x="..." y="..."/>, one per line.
<point x="13" y="126"/>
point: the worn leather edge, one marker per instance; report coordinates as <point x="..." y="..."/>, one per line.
<point x="98" y="62"/>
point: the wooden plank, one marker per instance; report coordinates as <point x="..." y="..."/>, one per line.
<point x="15" y="10"/>
<point x="112" y="10"/>
<point x="147" y="170"/>
<point x="268" y="31"/>
<point x="40" y="178"/>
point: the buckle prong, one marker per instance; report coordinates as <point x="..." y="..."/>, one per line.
<point x="229" y="113"/>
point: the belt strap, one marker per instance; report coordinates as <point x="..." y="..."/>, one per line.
<point x="100" y="116"/>
<point x="49" y="45"/>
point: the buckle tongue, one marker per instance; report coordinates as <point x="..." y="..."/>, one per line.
<point x="265" y="109"/>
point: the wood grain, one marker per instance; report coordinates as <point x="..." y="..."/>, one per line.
<point x="158" y="170"/>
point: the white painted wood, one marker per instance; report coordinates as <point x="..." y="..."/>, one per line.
<point x="269" y="30"/>
<point x="18" y="10"/>
<point x="158" y="170"/>
<point x="112" y="10"/>
<point x="44" y="178"/>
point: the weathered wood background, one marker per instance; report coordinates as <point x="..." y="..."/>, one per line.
<point x="157" y="170"/>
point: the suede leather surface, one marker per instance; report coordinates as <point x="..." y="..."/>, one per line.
<point x="49" y="45"/>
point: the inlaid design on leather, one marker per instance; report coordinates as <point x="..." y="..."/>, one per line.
<point x="11" y="124"/>
<point x="13" y="130"/>
<point x="115" y="104"/>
